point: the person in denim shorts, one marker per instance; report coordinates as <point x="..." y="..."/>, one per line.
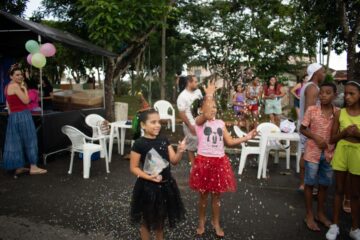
<point x="316" y="126"/>
<point x="309" y="96"/>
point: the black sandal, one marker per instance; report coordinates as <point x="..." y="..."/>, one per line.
<point x="16" y="174"/>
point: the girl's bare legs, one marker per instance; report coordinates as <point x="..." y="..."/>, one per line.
<point x="277" y="120"/>
<point x="340" y="178"/>
<point x="355" y="184"/>
<point x="191" y="156"/>
<point x="159" y="234"/>
<point x="297" y="112"/>
<point x="321" y="206"/>
<point x="347" y="194"/>
<point x="272" y="118"/>
<point x="144" y="233"/>
<point x="310" y="220"/>
<point x="215" y="204"/>
<point x="255" y="116"/>
<point x="302" y="173"/>
<point x="202" y="211"/>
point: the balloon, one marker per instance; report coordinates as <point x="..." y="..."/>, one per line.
<point x="28" y="58"/>
<point x="38" y="60"/>
<point x="48" y="49"/>
<point x="32" y="46"/>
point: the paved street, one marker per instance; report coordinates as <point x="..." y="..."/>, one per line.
<point x="62" y="206"/>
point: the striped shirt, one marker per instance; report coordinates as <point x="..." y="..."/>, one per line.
<point x="320" y="125"/>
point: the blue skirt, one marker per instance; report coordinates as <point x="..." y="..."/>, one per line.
<point x="20" y="141"/>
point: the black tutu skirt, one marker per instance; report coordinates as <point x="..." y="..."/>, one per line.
<point x="156" y="204"/>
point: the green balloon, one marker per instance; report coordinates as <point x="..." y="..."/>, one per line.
<point x="38" y="60"/>
<point x="32" y="46"/>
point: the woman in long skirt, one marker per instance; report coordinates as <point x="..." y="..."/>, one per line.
<point x="21" y="140"/>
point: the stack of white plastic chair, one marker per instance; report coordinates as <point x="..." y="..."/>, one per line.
<point x="163" y="107"/>
<point x="268" y="128"/>
<point x="80" y="144"/>
<point x="94" y="121"/>
<point x="246" y="149"/>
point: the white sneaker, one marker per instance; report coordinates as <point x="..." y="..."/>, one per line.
<point x="332" y="232"/>
<point x="355" y="234"/>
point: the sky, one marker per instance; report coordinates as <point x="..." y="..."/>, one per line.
<point x="337" y="62"/>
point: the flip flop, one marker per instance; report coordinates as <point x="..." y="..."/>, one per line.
<point x="18" y="172"/>
<point x="38" y="172"/>
<point x="300" y="189"/>
<point x="197" y="234"/>
<point x="345" y="208"/>
<point x="315" y="191"/>
<point x="217" y="235"/>
<point x="21" y="171"/>
<point x="311" y="229"/>
<point x="323" y="223"/>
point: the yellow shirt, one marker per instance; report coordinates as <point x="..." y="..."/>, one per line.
<point x="346" y="120"/>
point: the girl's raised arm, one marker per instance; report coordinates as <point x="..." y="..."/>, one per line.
<point x="230" y="141"/>
<point x="206" y="105"/>
<point x="175" y="157"/>
<point x="21" y="92"/>
<point x="135" y="169"/>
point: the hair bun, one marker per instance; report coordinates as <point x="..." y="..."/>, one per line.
<point x="15" y="65"/>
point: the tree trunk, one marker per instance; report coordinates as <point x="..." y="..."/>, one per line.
<point x="351" y="51"/>
<point x="163" y="59"/>
<point x="109" y="92"/>
<point x="132" y="78"/>
<point x="137" y="77"/>
<point x="99" y="76"/>
<point x="117" y="67"/>
<point x="176" y="82"/>
<point x="350" y="33"/>
<point x="330" y="40"/>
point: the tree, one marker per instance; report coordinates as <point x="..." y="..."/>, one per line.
<point x="16" y="7"/>
<point x="124" y="33"/>
<point x="337" y="22"/>
<point x="119" y="26"/>
<point x="163" y="58"/>
<point x="179" y="50"/>
<point x="350" y="25"/>
<point x="233" y="35"/>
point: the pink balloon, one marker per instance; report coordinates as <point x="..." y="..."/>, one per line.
<point x="28" y="58"/>
<point x="48" y="49"/>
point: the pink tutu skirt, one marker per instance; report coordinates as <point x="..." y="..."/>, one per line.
<point x="212" y="174"/>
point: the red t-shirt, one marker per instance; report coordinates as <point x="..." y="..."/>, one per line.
<point x="268" y="91"/>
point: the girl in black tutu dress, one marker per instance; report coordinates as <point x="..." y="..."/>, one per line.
<point x="156" y="198"/>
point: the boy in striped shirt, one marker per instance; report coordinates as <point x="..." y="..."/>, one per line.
<point x="316" y="126"/>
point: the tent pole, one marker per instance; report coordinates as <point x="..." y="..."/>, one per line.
<point x="41" y="85"/>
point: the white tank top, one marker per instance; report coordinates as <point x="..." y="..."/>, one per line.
<point x="302" y="100"/>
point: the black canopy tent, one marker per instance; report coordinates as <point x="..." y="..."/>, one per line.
<point x="14" y="32"/>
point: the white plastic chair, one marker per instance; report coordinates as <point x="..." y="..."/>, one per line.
<point x="93" y="120"/>
<point x="245" y="149"/>
<point x="268" y="128"/>
<point x="80" y="145"/>
<point x="162" y="107"/>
